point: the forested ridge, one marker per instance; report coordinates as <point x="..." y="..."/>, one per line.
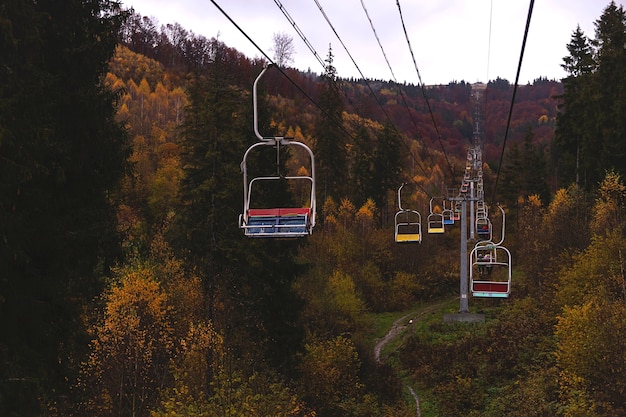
<point x="127" y="287"/>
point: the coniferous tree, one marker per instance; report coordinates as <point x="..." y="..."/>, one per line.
<point x="386" y="165"/>
<point x="243" y="278"/>
<point x="214" y="137"/>
<point x="524" y="173"/>
<point x="61" y="157"/>
<point x="362" y="166"/>
<point x="571" y="135"/>
<point x="330" y="146"/>
<point x="589" y="138"/>
<point x="610" y="88"/>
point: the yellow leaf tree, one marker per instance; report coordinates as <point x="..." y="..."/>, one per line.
<point x="131" y="349"/>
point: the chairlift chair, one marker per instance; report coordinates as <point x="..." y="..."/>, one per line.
<point x="435" y="221"/>
<point x="490" y="272"/>
<point x="448" y="216"/>
<point x="408" y="223"/>
<point x="408" y="226"/>
<point x="457" y="211"/>
<point x="275" y="222"/>
<point x="483" y="228"/>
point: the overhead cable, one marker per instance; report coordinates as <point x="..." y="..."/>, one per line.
<point x="362" y="76"/>
<point x="430" y="110"/>
<point x="279" y="68"/>
<point x="400" y="92"/>
<point x="508" y="123"/>
<point x="300" y="33"/>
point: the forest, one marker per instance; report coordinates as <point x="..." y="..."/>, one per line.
<point x="127" y="287"/>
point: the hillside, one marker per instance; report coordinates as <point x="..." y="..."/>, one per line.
<point x="382" y="101"/>
<point x="128" y="287"/>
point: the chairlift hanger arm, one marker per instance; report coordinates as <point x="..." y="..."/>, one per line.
<point x="255" y="107"/>
<point x="399" y="196"/>
<point x="503" y="225"/>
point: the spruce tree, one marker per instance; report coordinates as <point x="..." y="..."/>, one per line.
<point x="524" y="173"/>
<point x="362" y="167"/>
<point x="571" y="142"/>
<point x="61" y="157"/>
<point x="610" y="92"/>
<point x="247" y="281"/>
<point x="386" y="165"/>
<point x="330" y="146"/>
<point x="589" y="138"/>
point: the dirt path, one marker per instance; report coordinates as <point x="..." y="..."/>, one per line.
<point x="402" y="323"/>
<point x="397" y="328"/>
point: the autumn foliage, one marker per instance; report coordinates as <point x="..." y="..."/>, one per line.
<point x="128" y="288"/>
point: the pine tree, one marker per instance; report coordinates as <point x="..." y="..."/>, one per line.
<point x="362" y="166"/>
<point x="214" y="138"/>
<point x="524" y="173"/>
<point x="589" y="138"/>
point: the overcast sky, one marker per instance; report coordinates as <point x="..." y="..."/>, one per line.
<point x="452" y="40"/>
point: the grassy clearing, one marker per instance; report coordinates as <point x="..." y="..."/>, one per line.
<point x="426" y="319"/>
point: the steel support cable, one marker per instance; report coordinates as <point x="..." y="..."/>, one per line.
<point x="280" y="69"/>
<point x="312" y="49"/>
<point x="300" y="33"/>
<point x="377" y="39"/>
<point x="508" y="122"/>
<point x="292" y="81"/>
<point x="400" y="92"/>
<point x="430" y="110"/>
<point x="363" y="77"/>
<point x="340" y="87"/>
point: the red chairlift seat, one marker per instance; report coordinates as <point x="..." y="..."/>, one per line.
<point x="278" y="222"/>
